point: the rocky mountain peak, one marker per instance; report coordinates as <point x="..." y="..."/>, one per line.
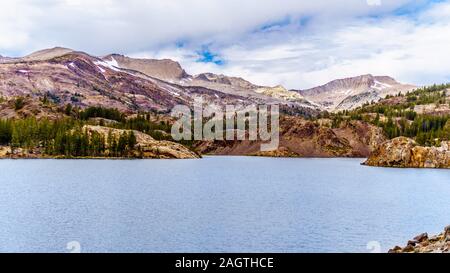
<point x="226" y="80"/>
<point x="352" y="92"/>
<point x="164" y="69"/>
<point x="280" y="92"/>
<point x="280" y="87"/>
<point x="3" y="59"/>
<point x="47" y="54"/>
<point x="352" y="82"/>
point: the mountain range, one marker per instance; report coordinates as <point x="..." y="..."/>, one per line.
<point x="349" y="93"/>
<point x="59" y="84"/>
<point x="130" y="84"/>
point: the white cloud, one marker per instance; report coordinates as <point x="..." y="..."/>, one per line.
<point x="341" y="37"/>
<point x="115" y="25"/>
<point x="410" y="48"/>
<point x="374" y="2"/>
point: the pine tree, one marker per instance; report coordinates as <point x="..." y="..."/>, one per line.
<point x="122" y="144"/>
<point x="68" y="110"/>
<point x="131" y="140"/>
<point x="15" y="139"/>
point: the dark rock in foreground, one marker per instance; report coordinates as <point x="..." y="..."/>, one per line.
<point x="424" y="244"/>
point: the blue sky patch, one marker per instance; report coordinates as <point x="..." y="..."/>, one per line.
<point x="415" y="7"/>
<point x="180" y="43"/>
<point x="207" y="56"/>
<point x="275" y="24"/>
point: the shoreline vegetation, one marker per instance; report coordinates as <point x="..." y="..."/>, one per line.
<point x="91" y="133"/>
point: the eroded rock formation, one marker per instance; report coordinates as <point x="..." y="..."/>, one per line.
<point x="403" y="152"/>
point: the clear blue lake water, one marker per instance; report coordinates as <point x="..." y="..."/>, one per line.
<point x="216" y="204"/>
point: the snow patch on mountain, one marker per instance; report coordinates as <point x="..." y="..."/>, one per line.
<point x="380" y="85"/>
<point x="111" y="64"/>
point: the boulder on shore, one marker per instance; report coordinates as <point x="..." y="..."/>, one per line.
<point x="404" y="152"/>
<point x="424" y="244"/>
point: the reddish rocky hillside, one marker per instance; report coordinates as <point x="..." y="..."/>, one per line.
<point x="83" y="80"/>
<point x="303" y="138"/>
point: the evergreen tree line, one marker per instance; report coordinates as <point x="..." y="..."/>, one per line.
<point x="142" y="123"/>
<point x="82" y="143"/>
<point x="427" y="130"/>
<point x="99" y="112"/>
<point x="400" y="119"/>
<point x="65" y="138"/>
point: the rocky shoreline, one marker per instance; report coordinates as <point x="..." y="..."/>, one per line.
<point x="425" y="244"/>
<point x="404" y="152"/>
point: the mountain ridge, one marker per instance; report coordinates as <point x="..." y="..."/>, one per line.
<point x="172" y="78"/>
<point x="349" y="93"/>
<point x="171" y="70"/>
<point x="80" y="79"/>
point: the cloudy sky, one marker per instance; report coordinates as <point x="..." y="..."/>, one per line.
<point x="296" y="43"/>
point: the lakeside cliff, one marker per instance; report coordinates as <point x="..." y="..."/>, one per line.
<point x="304" y="138"/>
<point x="403" y="152"/>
